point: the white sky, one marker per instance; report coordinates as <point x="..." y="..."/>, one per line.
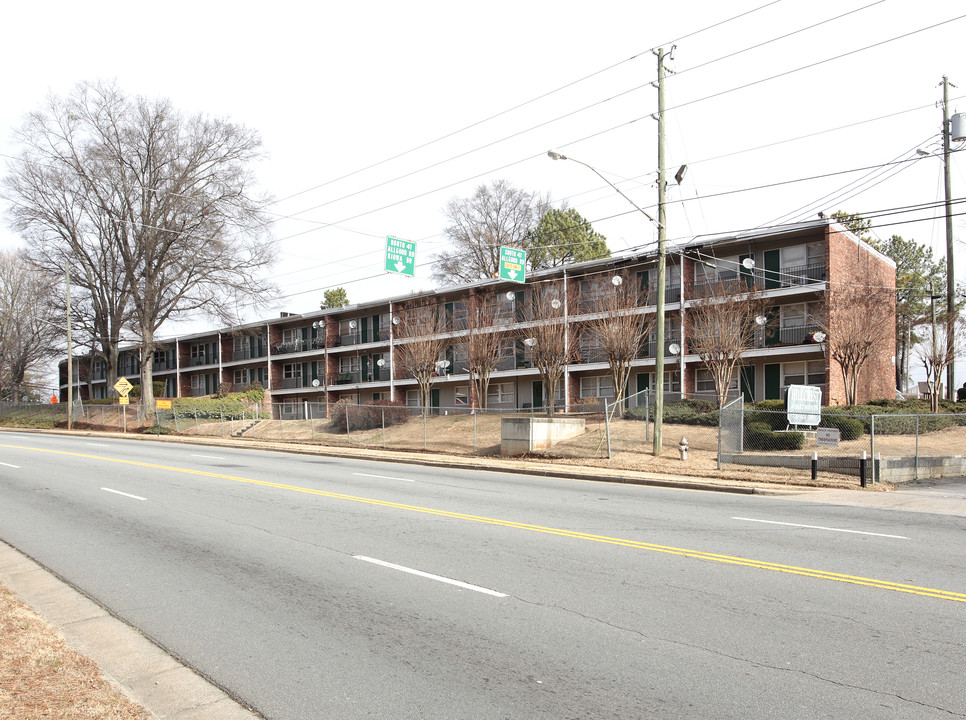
<point x="335" y="88"/>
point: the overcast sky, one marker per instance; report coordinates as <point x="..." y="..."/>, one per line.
<point x="373" y="115"/>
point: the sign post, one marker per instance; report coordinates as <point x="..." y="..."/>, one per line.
<point x="401" y="256"/>
<point x="513" y="264"/>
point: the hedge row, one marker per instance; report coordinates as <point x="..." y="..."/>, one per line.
<point x="368" y="416"/>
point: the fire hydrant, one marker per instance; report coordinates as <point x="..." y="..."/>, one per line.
<point x="683" y="448"/>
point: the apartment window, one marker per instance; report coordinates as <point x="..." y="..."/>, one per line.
<point x="463" y="395"/>
<point x="499" y="393"/>
<point x="803" y="373"/>
<point x="197" y="351"/>
<point x="291" y="336"/>
<point x="292" y="371"/>
<point x="160" y="357"/>
<point x="349" y="364"/>
<point x="412" y="398"/>
<point x="198" y="384"/>
<point x="717" y="270"/>
<point x="243" y="377"/>
<point x="598" y="386"/>
<point x="704" y="381"/>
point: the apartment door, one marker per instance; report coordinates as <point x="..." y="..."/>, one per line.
<point x="537" y="402"/>
<point x="434" y="401"/>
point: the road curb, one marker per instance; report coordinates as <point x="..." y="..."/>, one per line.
<point x="476" y="463"/>
<point x="129" y="660"/>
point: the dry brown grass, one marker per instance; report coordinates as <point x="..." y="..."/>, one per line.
<point x="41" y="677"/>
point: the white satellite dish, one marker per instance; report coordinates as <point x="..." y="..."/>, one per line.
<point x="748" y="263"/>
<point x="316" y="383"/>
<point x="674" y="348"/>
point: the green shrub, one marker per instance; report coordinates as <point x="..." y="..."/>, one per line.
<point x="255" y="392"/>
<point x="759" y="436"/>
<point x="849" y="428"/>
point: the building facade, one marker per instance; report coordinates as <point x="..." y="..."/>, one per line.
<point x="352" y="354"/>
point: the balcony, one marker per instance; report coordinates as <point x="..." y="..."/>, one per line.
<point x="797" y="275"/>
<point x="295" y="346"/>
<point x="349" y="378"/>
<point x="244" y="354"/>
<point x="202" y="360"/>
<point x="788" y="335"/>
<point x="298" y="382"/>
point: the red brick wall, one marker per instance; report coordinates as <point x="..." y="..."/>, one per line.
<point x="855" y="266"/>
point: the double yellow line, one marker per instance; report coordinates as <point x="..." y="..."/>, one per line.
<point x="636" y="544"/>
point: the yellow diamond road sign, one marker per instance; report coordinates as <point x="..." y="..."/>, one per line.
<point x="123" y="387"/>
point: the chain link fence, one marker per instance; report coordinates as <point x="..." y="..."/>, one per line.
<point x="875" y="447"/>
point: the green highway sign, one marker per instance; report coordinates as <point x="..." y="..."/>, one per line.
<point x="513" y="264"/>
<point x="401" y="256"/>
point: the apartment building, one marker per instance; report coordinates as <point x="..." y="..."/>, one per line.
<point x="352" y="353"/>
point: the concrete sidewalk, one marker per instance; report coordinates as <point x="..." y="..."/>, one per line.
<point x="143" y="671"/>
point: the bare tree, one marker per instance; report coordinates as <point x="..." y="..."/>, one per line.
<point x="546" y="338"/>
<point x="853" y="323"/>
<point x="30" y="323"/>
<point x="170" y="195"/>
<point x="617" y="326"/>
<point x="484" y="342"/>
<point x="419" y="347"/>
<point x="724" y="318"/>
<point x="937" y="353"/>
<point x="496" y="214"/>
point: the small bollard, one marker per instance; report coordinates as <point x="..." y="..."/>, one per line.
<point x="814" y="466"/>
<point x="683" y="448"/>
<point x="862" y="469"/>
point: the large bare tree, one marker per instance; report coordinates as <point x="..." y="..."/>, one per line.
<point x="31" y="324"/>
<point x="854" y="323"/>
<point x="484" y="341"/>
<point x="419" y="346"/>
<point x="546" y="338"/>
<point x="617" y="325"/>
<point x="496" y="214"/>
<point x="724" y="318"/>
<point x="936" y="352"/>
<point x="167" y="200"/>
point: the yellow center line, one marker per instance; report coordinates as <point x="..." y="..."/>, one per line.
<point x="684" y="552"/>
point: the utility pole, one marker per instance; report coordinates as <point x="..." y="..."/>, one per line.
<point x="661" y="260"/>
<point x="950" y="274"/>
<point x="70" y="352"/>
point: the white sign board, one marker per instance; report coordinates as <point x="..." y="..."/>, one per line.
<point x="804" y="405"/>
<point x="827" y="437"/>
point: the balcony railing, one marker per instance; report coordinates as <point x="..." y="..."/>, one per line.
<point x="294" y="346"/>
<point x="797" y="275"/>
<point x="348" y="378"/>
<point x="788" y="335"/>
<point x="244" y="354"/>
<point x="201" y="360"/>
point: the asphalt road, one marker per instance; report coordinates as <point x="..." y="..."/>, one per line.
<point x="314" y="587"/>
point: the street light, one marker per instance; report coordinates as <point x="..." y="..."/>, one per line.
<point x="661" y="280"/>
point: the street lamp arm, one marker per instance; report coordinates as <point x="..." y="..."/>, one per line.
<point x="553" y="155"/>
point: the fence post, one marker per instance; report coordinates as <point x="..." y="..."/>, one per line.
<point x="916" y="476"/>
<point x="384" y="427"/>
<point x="647" y="416"/>
<point x="862" y="469"/>
<point x="425" y="423"/>
<point x="607" y="427"/>
<point x="347" y="433"/>
<point x="872" y="447"/>
<point x="196" y="418"/>
<point x="474" y="431"/>
<point x="221" y="412"/>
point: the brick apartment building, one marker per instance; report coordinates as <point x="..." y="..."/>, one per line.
<point x="351" y="353"/>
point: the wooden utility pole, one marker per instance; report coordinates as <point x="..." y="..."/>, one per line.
<point x="70" y="352"/>
<point x="950" y="273"/>
<point x="661" y="261"/>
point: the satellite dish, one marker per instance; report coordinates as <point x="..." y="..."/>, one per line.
<point x="818" y="337"/>
<point x="510" y="295"/>
<point x="555" y="304"/>
<point x="748" y="263"/>
<point x="316" y="324"/>
<point x="381" y="362"/>
<point x="761" y="320"/>
<point x="395" y="320"/>
<point x="353" y="324"/>
<point x="674" y="348"/>
<point x="616" y="280"/>
<point x="316" y="383"/>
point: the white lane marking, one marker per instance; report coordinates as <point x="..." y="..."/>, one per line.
<point x="439" y="578"/>
<point x="210" y="457"/>
<point x="819" y="527"/>
<point x="384" y="477"/>
<point x="118" y="492"/>
<point x="9" y="465"/>
<point x="98" y="444"/>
